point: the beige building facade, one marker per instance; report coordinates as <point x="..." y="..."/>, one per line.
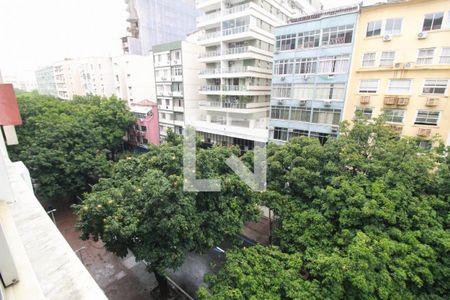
<point x="401" y="67"/>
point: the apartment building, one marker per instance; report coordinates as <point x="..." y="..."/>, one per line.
<point x="96" y="76"/>
<point x="134" y="78"/>
<point x="401" y="67"/>
<point x="36" y="262"/>
<point x="146" y="129"/>
<point x="45" y="79"/>
<point x="238" y="50"/>
<point x="154" y="22"/>
<point x="311" y="72"/>
<point x="177" y="83"/>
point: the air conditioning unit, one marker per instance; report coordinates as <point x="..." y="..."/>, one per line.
<point x="302" y="103"/>
<point x="424" y="132"/>
<point x="364" y="100"/>
<point x="390" y="100"/>
<point x="335" y="129"/>
<point x="277" y="52"/>
<point x="395" y="128"/>
<point x="398" y="65"/>
<point x="387" y="38"/>
<point x="163" y="78"/>
<point x="327" y="103"/>
<point x="283" y="78"/>
<point x="280" y="102"/>
<point x="432" y="102"/>
<point x="402" y="101"/>
<point x="422" y="35"/>
<point x="409" y="65"/>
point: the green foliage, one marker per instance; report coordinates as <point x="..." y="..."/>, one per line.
<point x="66" y="144"/>
<point x="143" y="207"/>
<point x="367" y="215"/>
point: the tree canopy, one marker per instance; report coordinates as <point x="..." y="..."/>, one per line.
<point x="68" y="144"/>
<point x="365" y="216"/>
<point x="143" y="207"/>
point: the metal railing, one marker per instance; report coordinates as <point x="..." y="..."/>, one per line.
<point x="207" y="88"/>
<point x="236" y="50"/>
<point x="210" y="54"/>
<point x="236" y="30"/>
<point x="236" y="9"/>
<point x="209" y="71"/>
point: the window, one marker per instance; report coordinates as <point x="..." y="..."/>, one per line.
<point x="281" y="91"/>
<point x="445" y="55"/>
<point x="326" y="116"/>
<point x="427" y="117"/>
<point x="393" y="26"/>
<point x="143" y="128"/>
<point x="368" y="86"/>
<point x="369" y="59"/>
<point x="301" y="114"/>
<point x="280" y="112"/>
<point x="334" y="64"/>
<point x="387" y="58"/>
<point x="425" y="56"/>
<point x="298" y="132"/>
<point x="373" y="28"/>
<point x="399" y="86"/>
<point x="309" y="39"/>
<point x="303" y="91"/>
<point x="177" y="71"/>
<point x="366" y="112"/>
<point x="337" y="35"/>
<point x="280" y="134"/>
<point x="435" y="87"/>
<point x="306" y="66"/>
<point x="286" y="42"/>
<point x="432" y="21"/>
<point x="335" y="91"/>
<point x="283" y="67"/>
<point x="394" y="115"/>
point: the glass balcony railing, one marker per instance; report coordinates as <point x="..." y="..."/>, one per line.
<point x="210" y="88"/>
<point x="237" y="8"/>
<point x="210" y="54"/>
<point x="235" y="30"/>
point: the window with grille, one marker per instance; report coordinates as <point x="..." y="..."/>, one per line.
<point x="301" y="114"/>
<point x="365" y="112"/>
<point x="393" y="26"/>
<point x="280" y="133"/>
<point x="435" y="87"/>
<point x="281" y="91"/>
<point x="394" y="115"/>
<point x="334" y="64"/>
<point x="280" y="112"/>
<point x="369" y="59"/>
<point x="387" y="58"/>
<point x="286" y="42"/>
<point x="425" y="56"/>
<point x="399" y="86"/>
<point x="326" y="116"/>
<point x="374" y="28"/>
<point x="433" y="21"/>
<point x="283" y="67"/>
<point x="445" y="55"/>
<point x="337" y="35"/>
<point x="306" y="65"/>
<point x="368" y="86"/>
<point x="427" y="117"/>
<point x="309" y="39"/>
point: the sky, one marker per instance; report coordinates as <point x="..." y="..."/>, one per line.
<point x="34" y="33"/>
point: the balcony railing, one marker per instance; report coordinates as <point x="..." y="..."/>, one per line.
<point x="209" y="35"/>
<point x="208" y="17"/>
<point x="237" y="8"/>
<point x="210" y="88"/>
<point x="236" y="50"/>
<point x="209" y="71"/>
<point x="210" y="54"/>
<point x="217" y="104"/>
<point x="236" y="30"/>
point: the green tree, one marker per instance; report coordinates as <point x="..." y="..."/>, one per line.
<point x="366" y="214"/>
<point x="66" y="144"/>
<point x="143" y="207"/>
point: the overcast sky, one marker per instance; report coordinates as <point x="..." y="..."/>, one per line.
<point x="34" y="33"/>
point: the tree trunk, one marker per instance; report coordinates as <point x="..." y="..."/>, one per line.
<point x="163" y="286"/>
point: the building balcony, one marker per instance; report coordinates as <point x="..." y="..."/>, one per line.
<point x="206" y="5"/>
<point x="235" y="30"/>
<point x="164" y="94"/>
<point x="236" y="9"/>
<point x="238" y="90"/>
<point x="250" y="107"/>
<point x="178" y="108"/>
<point x="243" y="129"/>
<point x="177" y="93"/>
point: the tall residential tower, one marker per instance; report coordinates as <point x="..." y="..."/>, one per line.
<point x="239" y="45"/>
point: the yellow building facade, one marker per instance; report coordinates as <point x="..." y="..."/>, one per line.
<point x="401" y="67"/>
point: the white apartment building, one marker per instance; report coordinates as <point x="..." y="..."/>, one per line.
<point x="238" y="46"/>
<point x="134" y="78"/>
<point x="177" y="84"/>
<point x="96" y="75"/>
